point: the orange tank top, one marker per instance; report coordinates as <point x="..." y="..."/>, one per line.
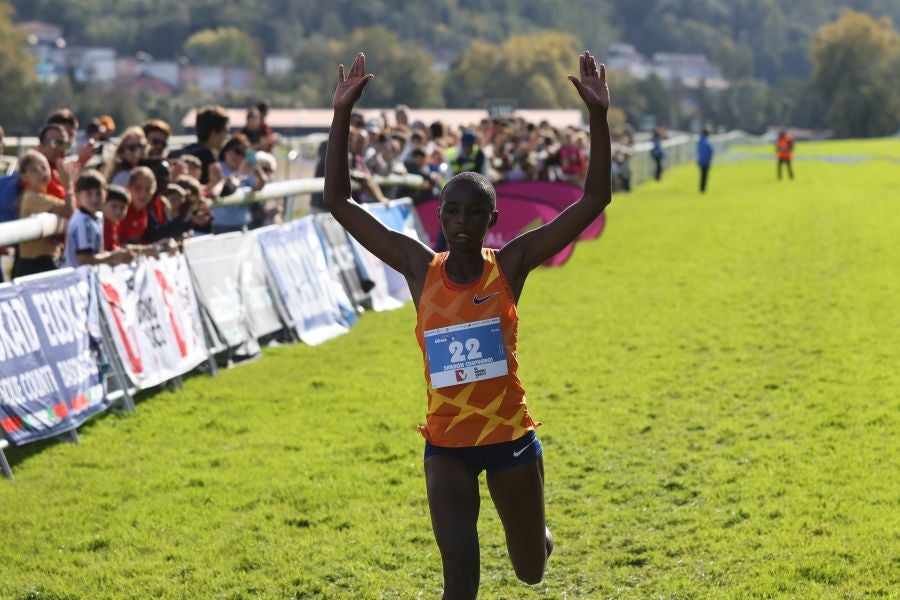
<point x="469" y="403"/>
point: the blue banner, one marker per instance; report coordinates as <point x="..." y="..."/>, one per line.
<point x="65" y="313"/>
<point x="296" y="260"/>
<point x="32" y="406"/>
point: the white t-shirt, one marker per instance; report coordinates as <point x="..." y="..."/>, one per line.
<point x="85" y="234"/>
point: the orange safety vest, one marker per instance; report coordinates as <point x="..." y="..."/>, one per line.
<point x="785" y="147"/>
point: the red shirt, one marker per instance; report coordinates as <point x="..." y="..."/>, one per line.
<point x="55" y="188"/>
<point x="110" y="235"/>
<point x="132" y="227"/>
<point x="158" y="209"/>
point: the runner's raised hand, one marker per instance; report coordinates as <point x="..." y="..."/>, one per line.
<point x="592" y="87"/>
<point x="349" y="88"/>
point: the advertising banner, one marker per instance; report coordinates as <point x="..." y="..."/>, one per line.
<point x="296" y="262"/>
<point x="214" y="260"/>
<point x="64" y="309"/>
<point x="394" y="218"/>
<point x="340" y="258"/>
<point x="517" y="216"/>
<point x="556" y="193"/>
<point x="256" y="292"/>
<point x="32" y="405"/>
<point x="154" y="318"/>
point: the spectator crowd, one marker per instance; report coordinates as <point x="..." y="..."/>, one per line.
<point x="132" y="194"/>
<point x="505" y="148"/>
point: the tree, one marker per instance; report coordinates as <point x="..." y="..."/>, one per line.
<point x="856" y="74"/>
<point x="20" y="92"/>
<point x="531" y="69"/>
<point x="405" y="73"/>
<point x="224" y="46"/>
<point x="748" y="104"/>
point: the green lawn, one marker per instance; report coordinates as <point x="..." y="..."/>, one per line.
<point x="718" y="380"/>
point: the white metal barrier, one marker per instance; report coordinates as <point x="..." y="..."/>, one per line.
<point x="44" y="225"/>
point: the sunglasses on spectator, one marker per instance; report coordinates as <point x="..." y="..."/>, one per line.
<point x="157" y="141"/>
<point x="134" y="146"/>
<point x="59" y="144"/>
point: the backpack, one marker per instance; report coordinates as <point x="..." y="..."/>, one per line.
<point x="10" y="188"/>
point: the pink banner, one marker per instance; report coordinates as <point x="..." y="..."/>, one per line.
<point x="555" y="193"/>
<point x="518" y="214"/>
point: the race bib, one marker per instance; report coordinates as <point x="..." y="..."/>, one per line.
<point x="465" y="353"/>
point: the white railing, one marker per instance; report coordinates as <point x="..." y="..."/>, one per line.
<point x="679" y="149"/>
<point x="315" y="185"/>
<point x="43" y="225"/>
<point x="30" y="228"/>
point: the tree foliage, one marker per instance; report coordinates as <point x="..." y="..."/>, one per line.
<point x="531" y="69"/>
<point x="224" y="46"/>
<point x="857" y="74"/>
<point x="448" y="52"/>
<point x="17" y="74"/>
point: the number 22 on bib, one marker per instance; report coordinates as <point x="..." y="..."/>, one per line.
<point x="465" y="353"/>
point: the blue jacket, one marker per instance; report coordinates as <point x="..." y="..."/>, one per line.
<point x="704" y="152"/>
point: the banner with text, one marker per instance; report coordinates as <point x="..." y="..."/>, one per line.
<point x="64" y="309"/>
<point x="32" y="405"/>
<point x="154" y="318"/>
<point x="296" y="262"/>
<point x="340" y="258"/>
<point x="394" y="284"/>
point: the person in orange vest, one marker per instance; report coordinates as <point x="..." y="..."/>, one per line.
<point x="784" y="149"/>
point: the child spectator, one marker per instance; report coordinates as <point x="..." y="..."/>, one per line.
<point x="84" y="237"/>
<point x="141" y="187"/>
<point x="175" y="195"/>
<point x="117" y="201"/>
<point x="195" y="209"/>
<point x="38" y="256"/>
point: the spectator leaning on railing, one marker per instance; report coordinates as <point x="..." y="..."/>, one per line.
<point x="41" y="255"/>
<point x="84" y="236"/>
<point x="240" y="172"/>
<point x="53" y="143"/>
<point x="117" y="201"/>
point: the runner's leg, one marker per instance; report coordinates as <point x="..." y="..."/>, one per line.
<point x="454" y="500"/>
<point x="518" y="494"/>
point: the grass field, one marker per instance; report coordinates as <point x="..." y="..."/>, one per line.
<point x="718" y="381"/>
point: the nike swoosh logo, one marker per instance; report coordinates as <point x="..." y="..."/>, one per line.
<point x="517" y="453"/>
<point x="477" y="300"/>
